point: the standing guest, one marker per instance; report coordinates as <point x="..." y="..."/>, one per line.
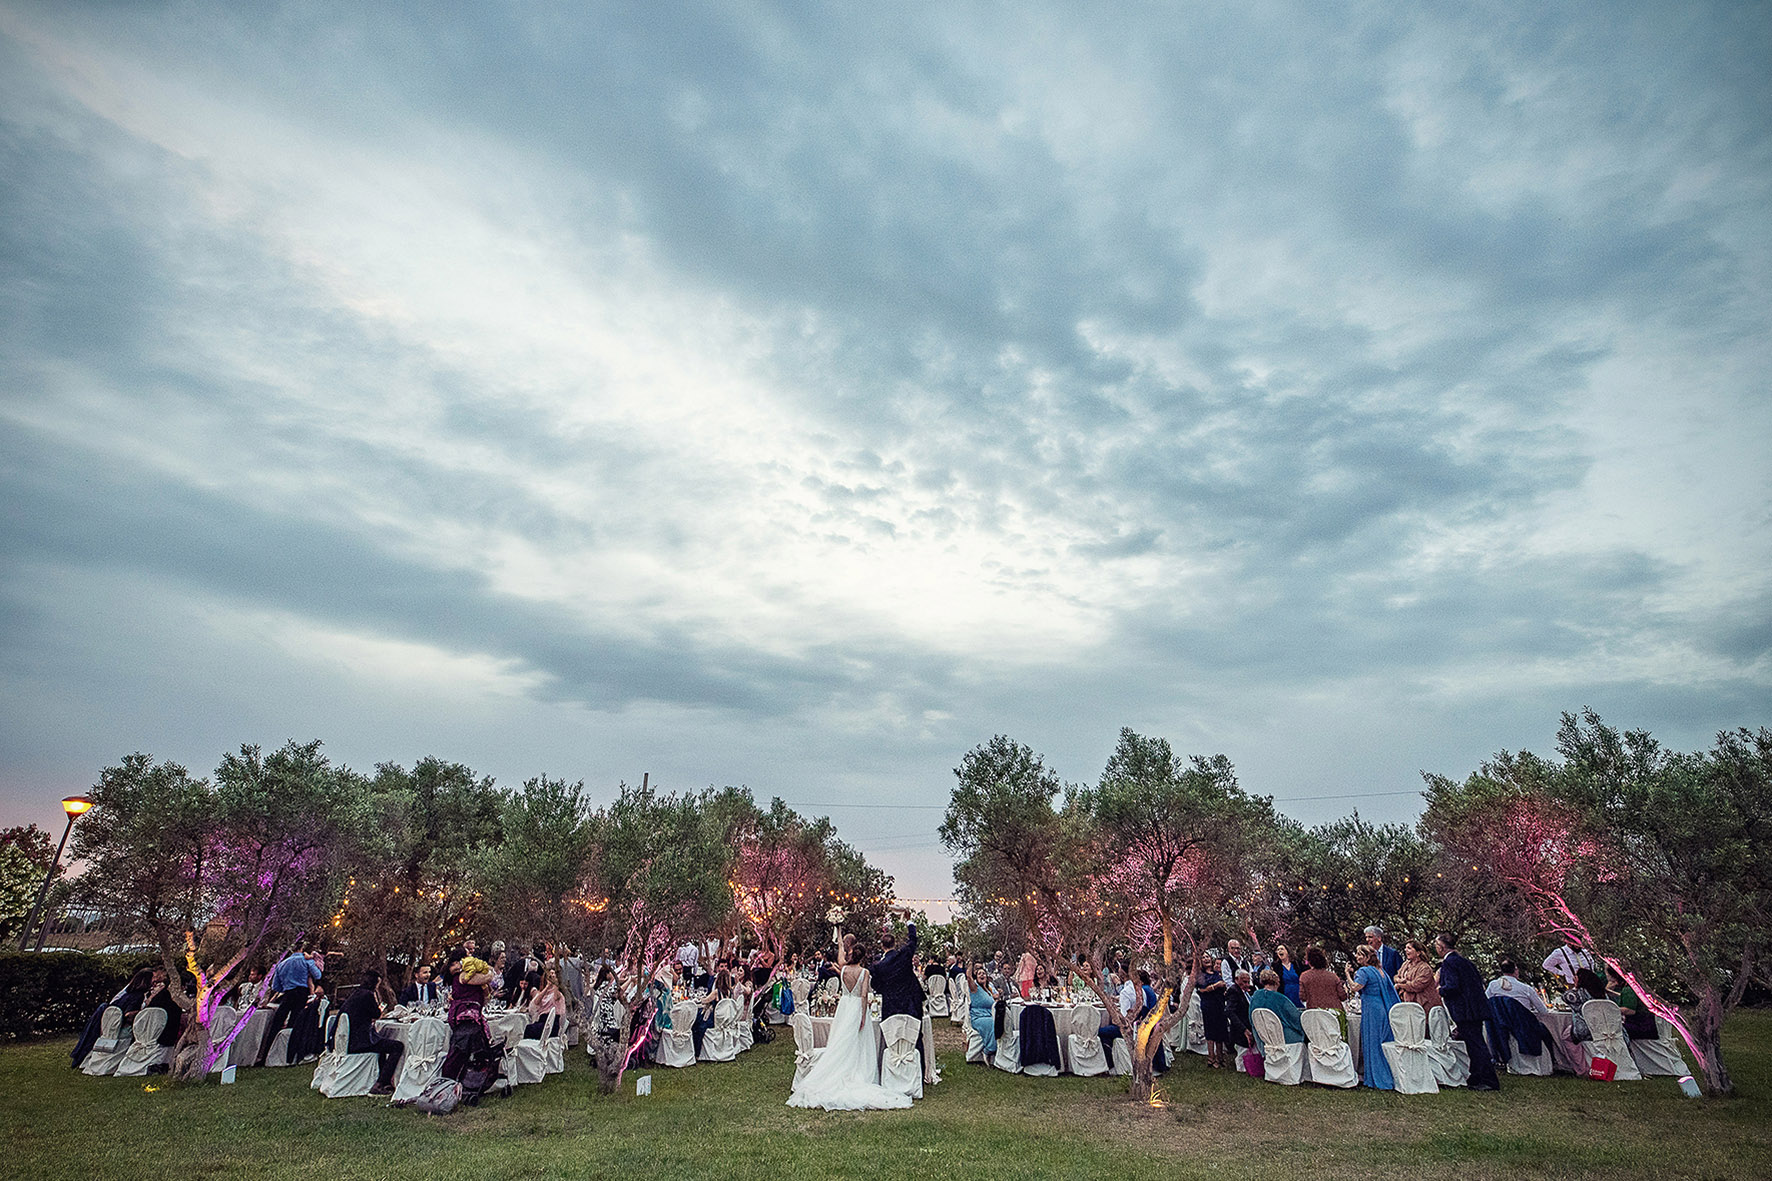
<point x="1318" y="987"/>
<point x="1377" y="995"/>
<point x="1569" y="959"/>
<point x="572" y="978"/>
<point x="1025" y="972"/>
<point x="1211" y="987"/>
<point x="423" y="990"/>
<point x="1287" y="971"/>
<point x="1233" y="961"/>
<point x="364" y="1011"/>
<point x="825" y="969"/>
<point x="1269" y="996"/>
<point x="1466" y="1004"/>
<point x="1384" y="957"/>
<point x="291" y="982"/>
<point x="605" y="1015"/>
<point x="981" y="1011"/>
<point x="1416" y="979"/>
<point x="467" y="1018"/>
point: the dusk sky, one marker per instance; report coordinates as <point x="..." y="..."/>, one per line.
<point x="797" y="395"/>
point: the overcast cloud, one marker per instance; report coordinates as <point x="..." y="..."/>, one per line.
<point x="797" y="395"/>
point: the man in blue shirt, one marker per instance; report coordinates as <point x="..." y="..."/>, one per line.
<point x="290" y="981"/>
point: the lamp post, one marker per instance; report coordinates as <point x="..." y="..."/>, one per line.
<point x="73" y="806"/>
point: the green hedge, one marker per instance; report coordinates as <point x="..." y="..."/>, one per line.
<point x="54" y="992"/>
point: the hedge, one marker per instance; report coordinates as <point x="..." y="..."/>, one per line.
<point x="54" y="992"/>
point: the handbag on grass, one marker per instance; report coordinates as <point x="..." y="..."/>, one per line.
<point x="439" y="1097"/>
<point x="1253" y="1065"/>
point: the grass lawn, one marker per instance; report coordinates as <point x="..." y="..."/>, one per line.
<point x="730" y="1121"/>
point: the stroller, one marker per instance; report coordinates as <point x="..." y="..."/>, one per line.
<point x="475" y="1063"/>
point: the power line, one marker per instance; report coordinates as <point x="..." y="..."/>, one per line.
<point x="1352" y="795"/>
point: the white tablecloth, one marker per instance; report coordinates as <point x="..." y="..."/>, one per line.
<point x="507" y="1027"/>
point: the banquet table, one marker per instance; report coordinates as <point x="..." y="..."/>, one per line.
<point x="506" y="1026"/>
<point x="821" y="1033"/>
<point x="1569" y="1054"/>
<point x="427" y="1042"/>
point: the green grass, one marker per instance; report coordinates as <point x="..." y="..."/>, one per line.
<point x="730" y="1121"/>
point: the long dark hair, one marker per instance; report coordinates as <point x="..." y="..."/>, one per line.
<point x="849" y="952"/>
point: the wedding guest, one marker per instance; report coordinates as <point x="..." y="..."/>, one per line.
<point x="1377" y="994"/>
<point x="1509" y="984"/>
<point x="160" y="997"/>
<point x="605" y="1016"/>
<point x="1468" y="1007"/>
<point x="1318" y="987"/>
<point x="981" y="1011"/>
<point x="364" y="1011"/>
<point x="1269" y="996"/>
<point x="545" y="1000"/>
<point x="1233" y="961"/>
<point x="423" y="990"/>
<point x="1210" y="985"/>
<point x="1384" y="957"/>
<point x="1236" y="1014"/>
<point x="1639" y="1019"/>
<point x="1131" y="1000"/>
<point x="1417" y="980"/>
<point x="1568" y="959"/>
<point x="1288" y="974"/>
<point x="497" y="986"/>
<point x="291" y="983"/>
<point x="467" y="1000"/>
<point x="1025" y="971"/>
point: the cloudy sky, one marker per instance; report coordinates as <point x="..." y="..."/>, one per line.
<point x="796" y="395"/>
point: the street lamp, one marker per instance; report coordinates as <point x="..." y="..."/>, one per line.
<point x="73" y="806"/>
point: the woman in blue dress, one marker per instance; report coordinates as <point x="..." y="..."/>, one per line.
<point x="1288" y="974"/>
<point x="981" y="1011"/>
<point x="1377" y="994"/>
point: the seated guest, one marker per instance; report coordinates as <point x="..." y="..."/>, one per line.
<point x="1639" y="1021"/>
<point x="1236" y="1013"/>
<point x="161" y="998"/>
<point x="497" y="985"/>
<point x="364" y="1011"/>
<point x="1509" y="984"/>
<point x="1588" y="987"/>
<point x="825" y="970"/>
<point x="545" y="1000"/>
<point x="1269" y="996"/>
<point x="423" y="990"/>
<point x="1417" y="979"/>
<point x="135" y="993"/>
<point x="1318" y="987"/>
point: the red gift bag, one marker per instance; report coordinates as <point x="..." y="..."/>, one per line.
<point x="1601" y="1069"/>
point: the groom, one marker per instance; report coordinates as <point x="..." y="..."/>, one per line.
<point x="896" y="981"/>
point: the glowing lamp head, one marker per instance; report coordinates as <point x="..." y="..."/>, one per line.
<point x="76" y="805"/>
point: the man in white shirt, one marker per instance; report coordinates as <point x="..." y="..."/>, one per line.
<point x="689" y="956"/>
<point x="1233" y="961"/>
<point x="1509" y="984"/>
<point x="1567" y="960"/>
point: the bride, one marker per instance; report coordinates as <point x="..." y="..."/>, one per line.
<point x="846" y="1076"/>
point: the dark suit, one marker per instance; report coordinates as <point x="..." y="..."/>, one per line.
<point x="1462" y="988"/>
<point x="896" y="982"/>
<point x="419" y="994"/>
<point x="1390" y="959"/>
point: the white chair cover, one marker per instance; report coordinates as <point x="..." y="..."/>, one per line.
<point x="1661" y="1056"/>
<point x="1331" y="1062"/>
<point x="279" y="1055"/>
<point x="974" y="1045"/>
<point x="427" y="1044"/>
<point x="1283" y="1062"/>
<point x="721" y="1041"/>
<point x="1087" y="1056"/>
<point x="1540" y="1065"/>
<point x="113" y="1043"/>
<point x="1196" y="1025"/>
<point x="143" y="1052"/>
<point x="805" y="1052"/>
<point x="1120" y="1061"/>
<point x="1009" y="1043"/>
<point x="938" y="996"/>
<point x="676" y="1045"/>
<point x="1607" y="1023"/>
<point x="1407" y="1051"/>
<point x="901" y="1065"/>
<point x="526" y="1063"/>
<point x="1450" y="1060"/>
<point x="352" y="1074"/>
<point x="959" y="1000"/>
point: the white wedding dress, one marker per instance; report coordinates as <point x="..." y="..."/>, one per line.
<point x="846" y="1076"/>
